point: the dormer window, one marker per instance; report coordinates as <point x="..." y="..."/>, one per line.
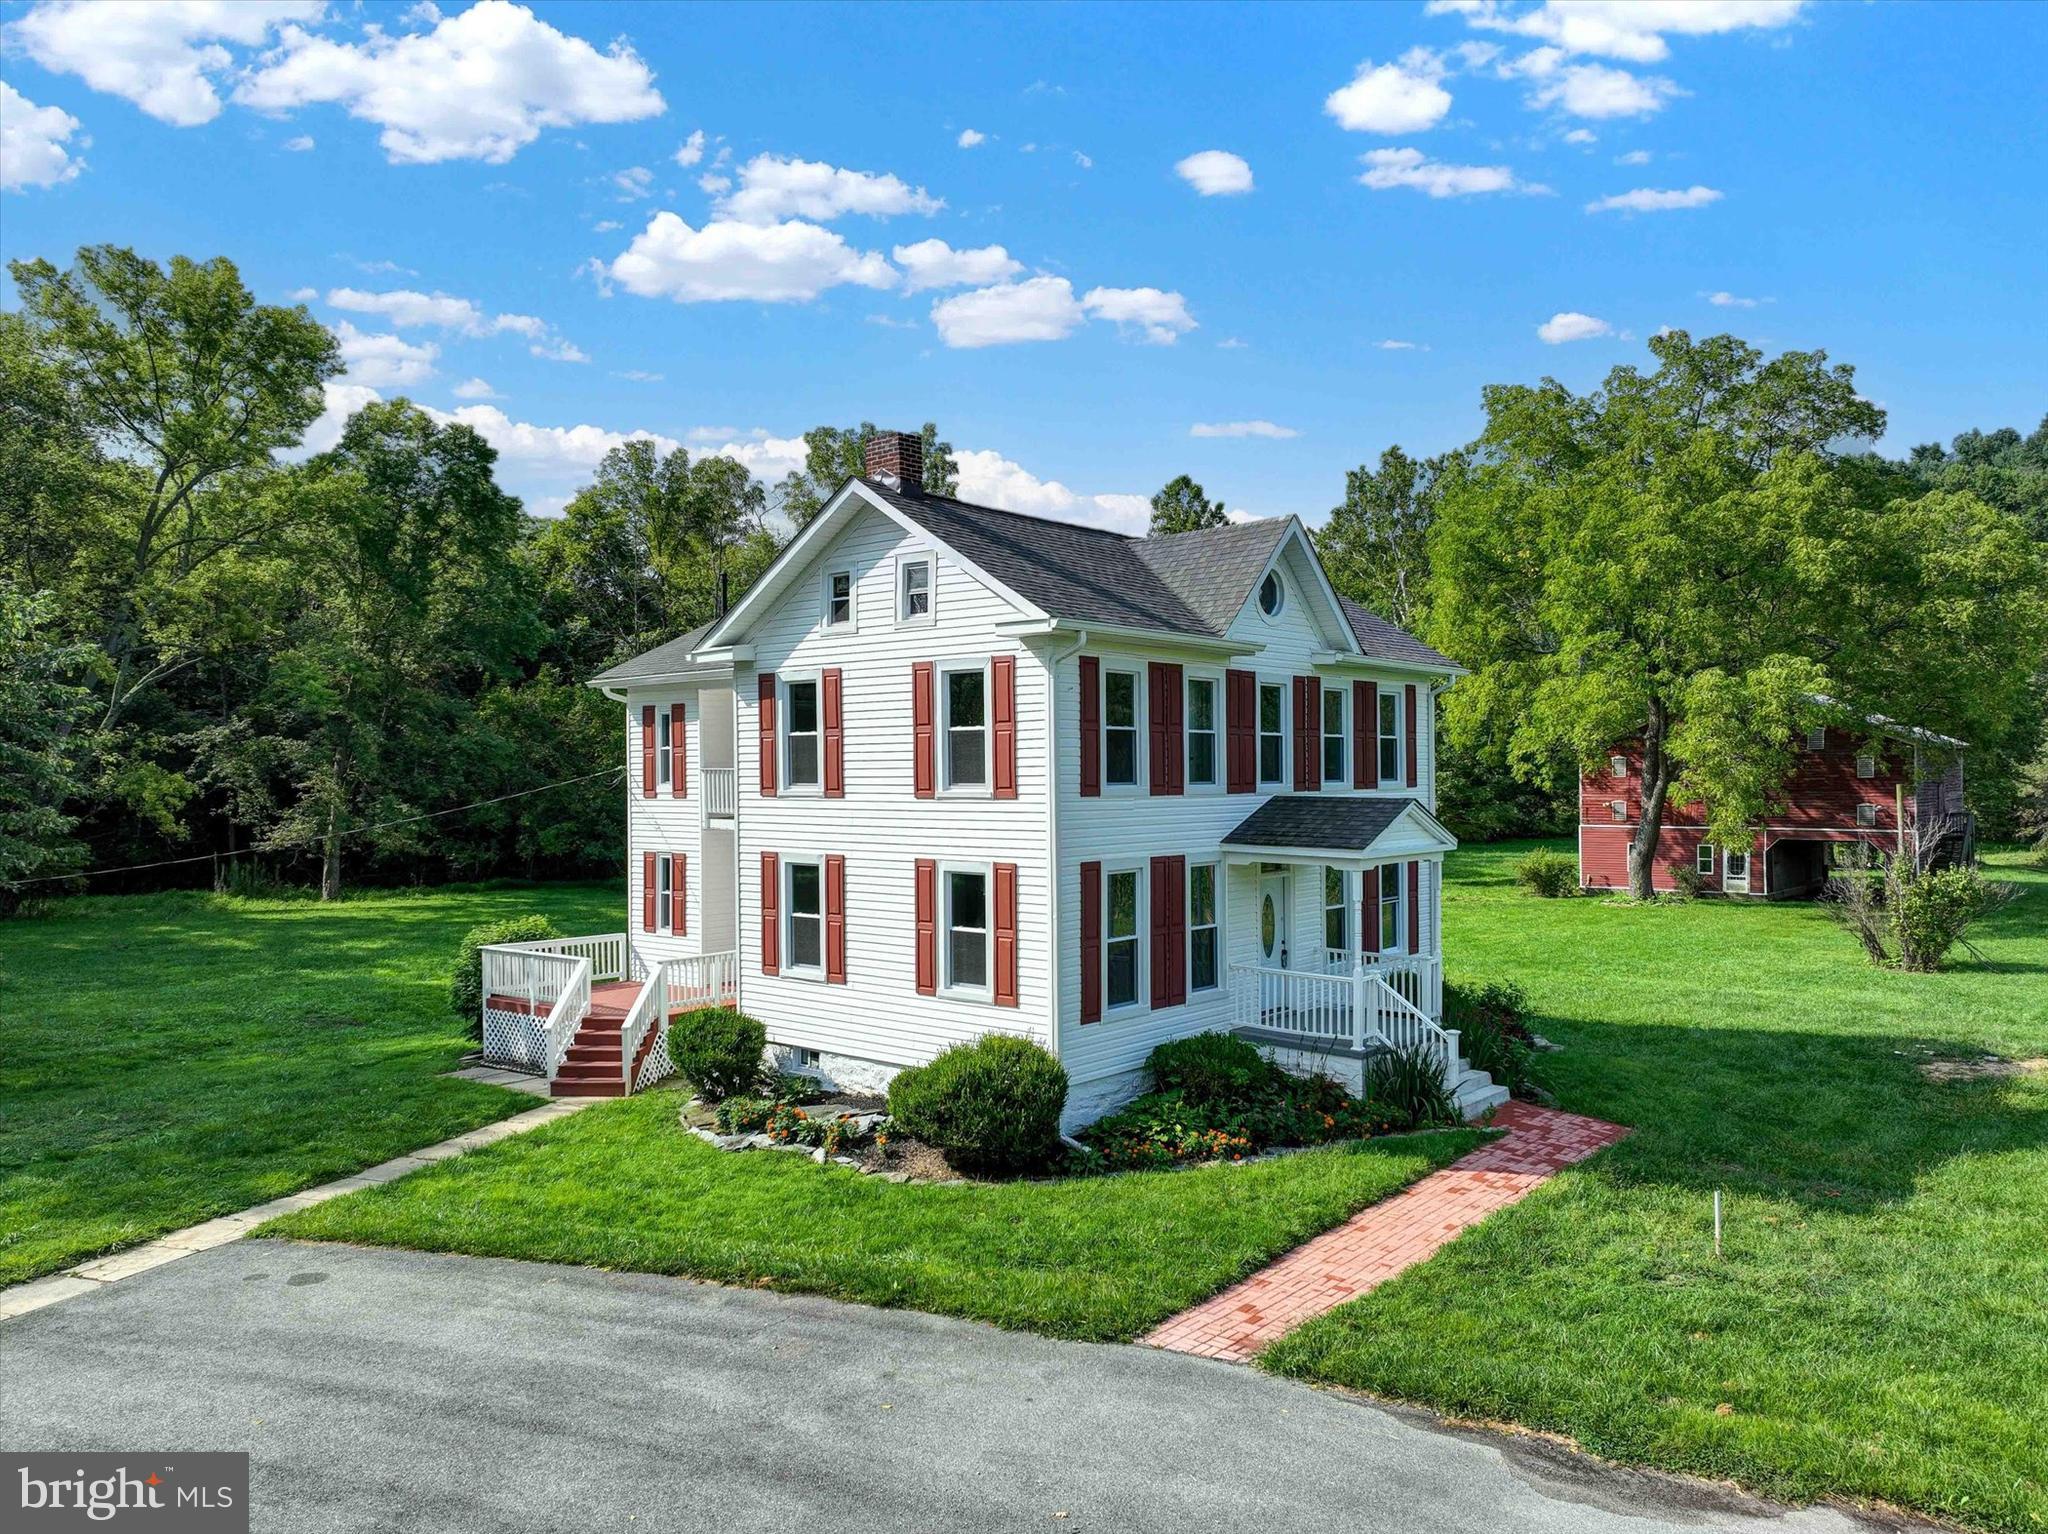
<point x="1272" y="594"/>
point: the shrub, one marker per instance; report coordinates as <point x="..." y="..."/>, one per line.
<point x="1548" y="873"/>
<point x="1907" y="916"/>
<point x="719" y="1051"/>
<point x="1408" y="1086"/>
<point x="992" y="1106"/>
<point x="1493" y="1031"/>
<point x="1211" y="1068"/>
<point x="1686" y="880"/>
<point x="466" y="985"/>
<point x="1164" y="1128"/>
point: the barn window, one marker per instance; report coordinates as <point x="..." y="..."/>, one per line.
<point x="1703" y="860"/>
<point x="1866" y="764"/>
<point x="1866" y="814"/>
<point x="1817" y="739"/>
<point x="1618" y="808"/>
<point x="1618" y="766"/>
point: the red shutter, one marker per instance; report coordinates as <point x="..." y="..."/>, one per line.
<point x="648" y="893"/>
<point x="1091" y="727"/>
<point x="678" y="893"/>
<point x="647" y="751"/>
<point x="1169" y="931"/>
<point x="1169" y="752"/>
<point x="835" y="917"/>
<point x="766" y="693"/>
<point x="1006" y="934"/>
<point x="1091" y="942"/>
<point x="1411" y="735"/>
<point x="1365" y="743"/>
<point x="1415" y="908"/>
<point x="835" y="734"/>
<point x="1241" y="725"/>
<point x="771" y="914"/>
<point x="679" y="751"/>
<point x="1308" y="734"/>
<point x="1369" y="911"/>
<point x="923" y="747"/>
<point x="927" y="927"/>
<point x="1002" y="715"/>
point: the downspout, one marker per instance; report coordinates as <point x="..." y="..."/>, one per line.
<point x="1053" y="662"/>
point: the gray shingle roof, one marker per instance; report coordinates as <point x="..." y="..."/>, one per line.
<point x="662" y="660"/>
<point x="1381" y="640"/>
<point x="1337" y="822"/>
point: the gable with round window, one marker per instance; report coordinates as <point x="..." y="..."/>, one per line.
<point x="1272" y="594"/>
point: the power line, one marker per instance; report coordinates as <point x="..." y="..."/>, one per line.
<point x="382" y="825"/>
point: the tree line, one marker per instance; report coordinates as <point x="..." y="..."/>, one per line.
<point x="241" y="662"/>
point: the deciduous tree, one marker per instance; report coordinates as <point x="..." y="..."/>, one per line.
<point x="1182" y="506"/>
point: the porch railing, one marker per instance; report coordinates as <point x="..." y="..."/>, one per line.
<point x="609" y="953"/>
<point x="1355" y="1010"/>
<point x="1417" y="978"/>
<point x="721" y="793"/>
<point x="537" y="999"/>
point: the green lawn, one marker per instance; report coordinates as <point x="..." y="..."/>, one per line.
<point x="621" y="1186"/>
<point x="1877" y="1325"/>
<point x="167" y="1058"/>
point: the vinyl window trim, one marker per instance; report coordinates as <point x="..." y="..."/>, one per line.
<point x="1388" y="737"/>
<point x="985" y="992"/>
<point x="1139" y="939"/>
<point x="852" y="618"/>
<point x="1218" y="768"/>
<point x="1215" y="925"/>
<point x="904" y="564"/>
<point x="1261" y="734"/>
<point x="785" y="717"/>
<point x="942" y="707"/>
<point x="1137" y="726"/>
<point x="1338" y="739"/>
<point x="790" y="916"/>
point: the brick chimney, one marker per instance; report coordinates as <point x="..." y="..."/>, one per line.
<point x="896" y="458"/>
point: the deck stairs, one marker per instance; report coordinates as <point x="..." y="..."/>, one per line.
<point x="592" y="1067"/>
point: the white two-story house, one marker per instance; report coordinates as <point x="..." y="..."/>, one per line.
<point x="947" y="769"/>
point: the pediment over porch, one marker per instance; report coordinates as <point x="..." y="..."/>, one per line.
<point x="1338" y="831"/>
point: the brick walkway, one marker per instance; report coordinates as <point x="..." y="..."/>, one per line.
<point x="1390" y="1237"/>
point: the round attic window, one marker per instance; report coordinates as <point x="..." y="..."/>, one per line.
<point x="1272" y="595"/>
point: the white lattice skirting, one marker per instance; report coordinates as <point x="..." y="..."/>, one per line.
<point x="520" y="1040"/>
<point x="657" y="1065"/>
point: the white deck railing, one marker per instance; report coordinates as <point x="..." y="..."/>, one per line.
<point x="551" y="988"/>
<point x="721" y="793"/>
<point x="1355" y="1010"/>
<point x="1418" y="978"/>
<point x="609" y="953"/>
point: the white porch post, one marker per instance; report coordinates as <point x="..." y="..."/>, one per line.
<point x="1360" y="1000"/>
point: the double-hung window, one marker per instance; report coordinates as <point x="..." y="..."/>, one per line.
<point x="1120" y="939"/>
<point x="966" y="695"/>
<point x="1336" y="936"/>
<point x="1201" y="726"/>
<point x="664" y="748"/>
<point x="1204" y="964"/>
<point x="1272" y="742"/>
<point x="1390" y="736"/>
<point x="800" y="750"/>
<point x="1391" y="902"/>
<point x="1120" y="728"/>
<point x="1333" y="735"/>
<point x="966" y="930"/>
<point x="664" y="886"/>
<point x="1703" y="860"/>
<point x="806" y="919"/>
<point x="914" y="591"/>
<point x="839" y="599"/>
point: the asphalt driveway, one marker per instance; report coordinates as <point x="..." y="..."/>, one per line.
<point x="394" y="1390"/>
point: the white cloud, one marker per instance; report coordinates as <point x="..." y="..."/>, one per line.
<point x="339" y="401"/>
<point x="692" y="149"/>
<point x="32" y="142"/>
<point x="404" y="308"/>
<point x="969" y="137"/>
<point x="1083" y="160"/>
<point x="606" y="226"/>
<point x="163" y="55"/>
<point x="989" y="479"/>
<point x="479" y="86"/>
<point x="557" y="450"/>
<point x="303" y="295"/>
<point x="1402" y="97"/>
<point x="300" y="144"/>
<point x="1621" y="29"/>
<point x="713" y="184"/>
<point x="1386" y="169"/>
<point x="1241" y="429"/>
<point x="1391" y="345"/>
<point x="1589" y="90"/>
<point x="1650" y="200"/>
<point x="774" y="187"/>
<point x="1231" y="344"/>
<point x="384" y="361"/>
<point x="1037" y="309"/>
<point x="1163" y="317"/>
<point x="555" y="349"/>
<point x="1215" y="173"/>
<point x="1572" y="326"/>
<point x="1582" y="137"/>
<point x="768" y="459"/>
<point x="1726" y="300"/>
<point x="638" y="375"/>
<point x="633" y="183"/>
<point x="935" y="264"/>
<point x="475" y="388"/>
<point x="1633" y="157"/>
<point x="790" y="262"/>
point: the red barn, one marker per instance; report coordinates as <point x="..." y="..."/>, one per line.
<point x="1885" y="786"/>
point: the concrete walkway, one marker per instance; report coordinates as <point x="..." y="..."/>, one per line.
<point x="386" y="1390"/>
<point x="1389" y="1238"/>
<point x="101" y="1271"/>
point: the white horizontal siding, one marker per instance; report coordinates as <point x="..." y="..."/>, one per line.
<point x="880" y="826"/>
<point x="665" y="824"/>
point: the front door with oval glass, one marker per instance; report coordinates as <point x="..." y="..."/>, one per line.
<point x="1273" y="921"/>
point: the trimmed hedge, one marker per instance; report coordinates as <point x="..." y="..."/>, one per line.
<point x="719" y="1051"/>
<point x="1212" y="1069"/>
<point x="466" y="985"/>
<point x="992" y="1106"/>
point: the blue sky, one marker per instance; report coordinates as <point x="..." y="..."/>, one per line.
<point x="509" y="197"/>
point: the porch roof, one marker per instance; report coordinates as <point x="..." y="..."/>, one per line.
<point x="1339" y="828"/>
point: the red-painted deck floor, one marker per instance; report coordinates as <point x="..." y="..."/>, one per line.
<point x="1377" y="1243"/>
